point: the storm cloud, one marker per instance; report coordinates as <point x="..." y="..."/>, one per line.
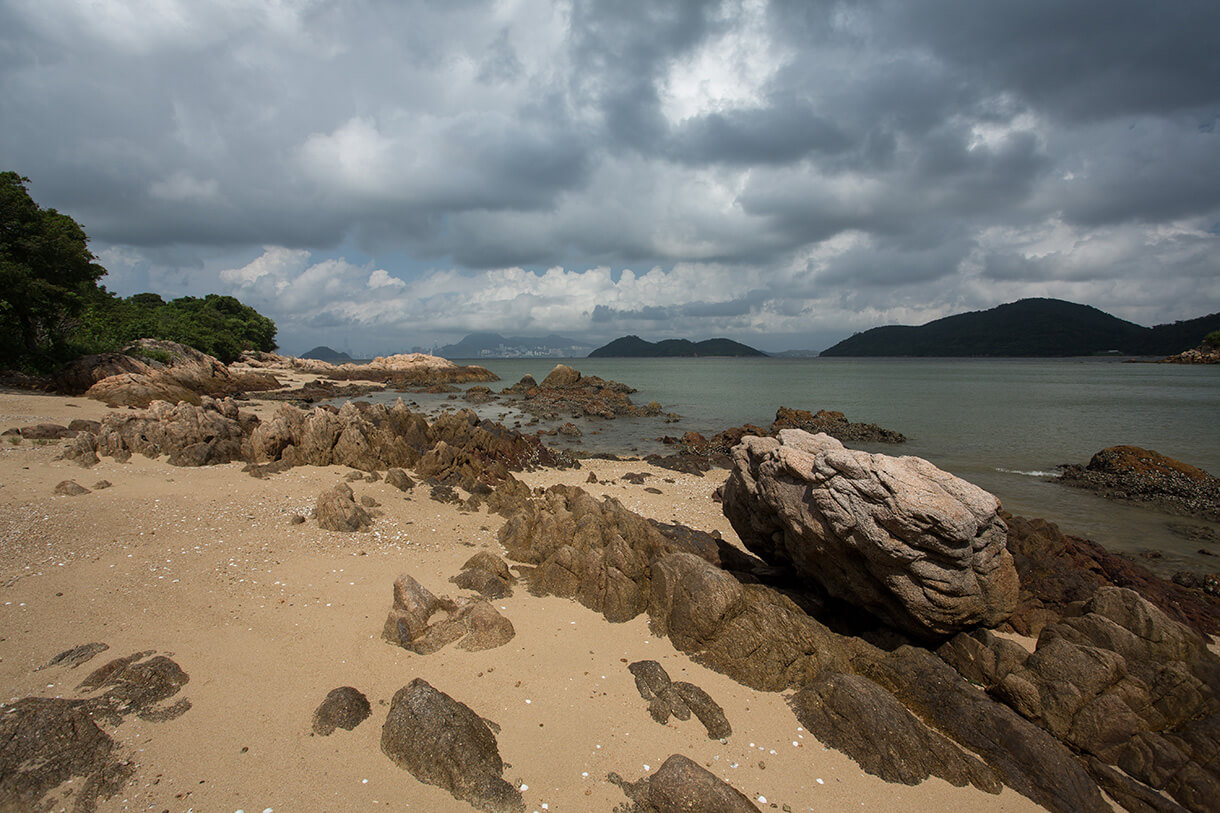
<point x="377" y="175"/>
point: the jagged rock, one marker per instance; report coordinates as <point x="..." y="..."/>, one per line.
<point x="1057" y="570"/>
<point x="399" y="479"/>
<point x="561" y="377"/>
<point x="1026" y="758"/>
<point x="345" y="707"/>
<point x="669" y="699"/>
<point x="910" y="543"/>
<point x="832" y="423"/>
<point x="1133" y="796"/>
<point x="486" y="574"/>
<point x="1119" y="681"/>
<point x="337" y="510"/>
<point x="1132" y="474"/>
<point x="70" y="488"/>
<point x="442" y="742"/>
<point x="212" y="432"/>
<point x="863" y="720"/>
<point x="474" y="624"/>
<point x="682" y="785"/>
<point x="566" y="392"/>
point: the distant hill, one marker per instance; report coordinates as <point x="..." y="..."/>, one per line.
<point x="635" y="347"/>
<point x="1028" y="328"/>
<point x="324" y="353"/>
<point x="493" y="345"/>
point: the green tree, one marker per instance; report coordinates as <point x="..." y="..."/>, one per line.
<point x="46" y="274"/>
<point x="1212" y="339"/>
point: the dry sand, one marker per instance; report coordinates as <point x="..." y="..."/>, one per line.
<point x="266" y="617"/>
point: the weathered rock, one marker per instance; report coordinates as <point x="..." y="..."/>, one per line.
<point x="399" y="479"/>
<point x="345" y="707"/>
<point x="76" y="656"/>
<point x="863" y="720"/>
<point x="486" y="574"/>
<point x="910" y="543"/>
<point x="188" y="375"/>
<point x="681" y="785"/>
<point x="82" y="449"/>
<point x="833" y="423"/>
<point x="1057" y="570"/>
<point x="44" y="742"/>
<point x="1132" y="474"/>
<point x="669" y="699"/>
<point x="337" y="510"/>
<point x="982" y="657"/>
<point x="1026" y="758"/>
<point x="212" y="432"/>
<point x="442" y="742"/>
<point x="400" y="370"/>
<point x="46" y="431"/>
<point x="1119" y="681"/>
<point x="561" y="377"/>
<point x="475" y="624"/>
<point x="749" y="632"/>
<point x="566" y="392"/>
<point x="70" y="488"/>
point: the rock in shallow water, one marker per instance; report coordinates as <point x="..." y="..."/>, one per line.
<point x="912" y="544"/>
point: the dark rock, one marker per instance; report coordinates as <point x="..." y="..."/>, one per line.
<point x="479" y="394"/>
<point x="863" y="720"/>
<point x="982" y="657"/>
<point x="832" y="423"/>
<point x="681" y="785"/>
<point x="345" y="707"/>
<point x="136" y="684"/>
<point x="337" y="510"/>
<point x="77" y="655"/>
<point x="444" y="493"/>
<point x="1132" y="474"/>
<point x="896" y="536"/>
<point x="70" y="488"/>
<point x="1026" y="758"/>
<point x="44" y="742"/>
<point x="635" y="477"/>
<point x="82" y="449"/>
<point x="442" y="742"/>
<point x="1133" y="796"/>
<point x="399" y="479"/>
<point x="668" y="699"/>
<point x="1057" y="570"/>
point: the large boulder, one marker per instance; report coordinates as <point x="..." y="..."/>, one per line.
<point x="337" y="510"/>
<point x="1132" y="474"/>
<point x="163" y="371"/>
<point x="912" y="544"/>
<point x="442" y="742"/>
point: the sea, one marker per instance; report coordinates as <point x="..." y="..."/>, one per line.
<point x="1002" y="424"/>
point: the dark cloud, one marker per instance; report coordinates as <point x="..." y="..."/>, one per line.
<point x="760" y="168"/>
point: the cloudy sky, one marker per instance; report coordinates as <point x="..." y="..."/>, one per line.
<point x="376" y="174"/>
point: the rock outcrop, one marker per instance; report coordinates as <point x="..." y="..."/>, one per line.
<point x="473" y="623"/>
<point x="1132" y="474"/>
<point x="912" y="544"/>
<point x="443" y="742"/>
<point x="1057" y="570"/>
<point x="400" y="370"/>
<point x="565" y="391"/>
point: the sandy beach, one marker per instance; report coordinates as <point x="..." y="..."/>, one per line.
<point x="266" y="616"/>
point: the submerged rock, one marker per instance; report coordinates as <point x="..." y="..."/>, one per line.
<point x="910" y="543"/>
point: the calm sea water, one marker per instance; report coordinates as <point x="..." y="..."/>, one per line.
<point x="1001" y="424"/>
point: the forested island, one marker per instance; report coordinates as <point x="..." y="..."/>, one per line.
<point x="1029" y="328"/>
<point x="635" y="347"/>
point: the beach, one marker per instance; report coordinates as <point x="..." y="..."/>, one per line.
<point x="265" y="616"/>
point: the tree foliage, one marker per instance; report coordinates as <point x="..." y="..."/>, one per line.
<point x="46" y="273"/>
<point x="52" y="308"/>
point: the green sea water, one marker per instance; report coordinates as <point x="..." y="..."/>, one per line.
<point x="1003" y="424"/>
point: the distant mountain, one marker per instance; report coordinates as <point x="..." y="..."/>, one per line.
<point x="635" y="347"/>
<point x="324" y="353"/>
<point x="1028" y="328"/>
<point x="493" y="345"/>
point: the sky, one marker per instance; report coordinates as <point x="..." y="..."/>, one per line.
<point x="377" y="175"/>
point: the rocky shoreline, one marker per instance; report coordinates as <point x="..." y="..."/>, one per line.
<point x="875" y="603"/>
